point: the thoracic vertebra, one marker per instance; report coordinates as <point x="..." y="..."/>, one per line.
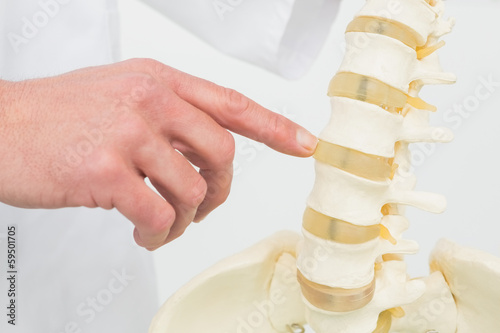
<point x="354" y="214"/>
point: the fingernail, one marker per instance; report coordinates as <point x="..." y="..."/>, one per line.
<point x="306" y="140"/>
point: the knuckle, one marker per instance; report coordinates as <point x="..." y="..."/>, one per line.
<point x="275" y="129"/>
<point x="223" y="197"/>
<point x="104" y="168"/>
<point x="152" y="66"/>
<point x="235" y="102"/>
<point x="131" y="135"/>
<point x="134" y="128"/>
<point x="142" y="64"/>
<point x="133" y="62"/>
<point x="227" y="148"/>
<point x="220" y="186"/>
<point x="163" y="221"/>
<point x="140" y="87"/>
<point x="223" y="181"/>
<point x="197" y="192"/>
<point x="275" y="123"/>
<point x="220" y="194"/>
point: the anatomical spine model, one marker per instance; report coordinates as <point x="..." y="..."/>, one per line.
<point x="354" y="214"/>
<point x="346" y="273"/>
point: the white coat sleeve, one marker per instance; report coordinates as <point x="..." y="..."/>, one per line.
<point x="283" y="36"/>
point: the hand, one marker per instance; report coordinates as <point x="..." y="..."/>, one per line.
<point x="90" y="137"/>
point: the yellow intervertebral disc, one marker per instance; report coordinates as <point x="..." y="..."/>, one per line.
<point x="335" y="299"/>
<point x="386" y="27"/>
<point x="339" y="231"/>
<point x="393" y="29"/>
<point x="373" y="91"/>
<point x="368" y="166"/>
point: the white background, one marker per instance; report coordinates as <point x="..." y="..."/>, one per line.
<point x="270" y="189"/>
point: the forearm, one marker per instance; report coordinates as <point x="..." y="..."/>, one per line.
<point x="5" y="98"/>
<point x="11" y="94"/>
<point x="4" y="106"/>
<point x="5" y="102"/>
<point x="3" y="92"/>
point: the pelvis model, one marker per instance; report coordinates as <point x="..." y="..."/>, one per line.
<point x="346" y="274"/>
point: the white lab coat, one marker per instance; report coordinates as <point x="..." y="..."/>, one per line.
<point x="78" y="270"/>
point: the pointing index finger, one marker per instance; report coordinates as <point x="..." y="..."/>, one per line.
<point x="242" y="115"/>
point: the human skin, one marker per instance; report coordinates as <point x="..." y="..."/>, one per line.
<point x="90" y="137"/>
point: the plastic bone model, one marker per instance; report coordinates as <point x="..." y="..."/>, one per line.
<point x="346" y="273"/>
